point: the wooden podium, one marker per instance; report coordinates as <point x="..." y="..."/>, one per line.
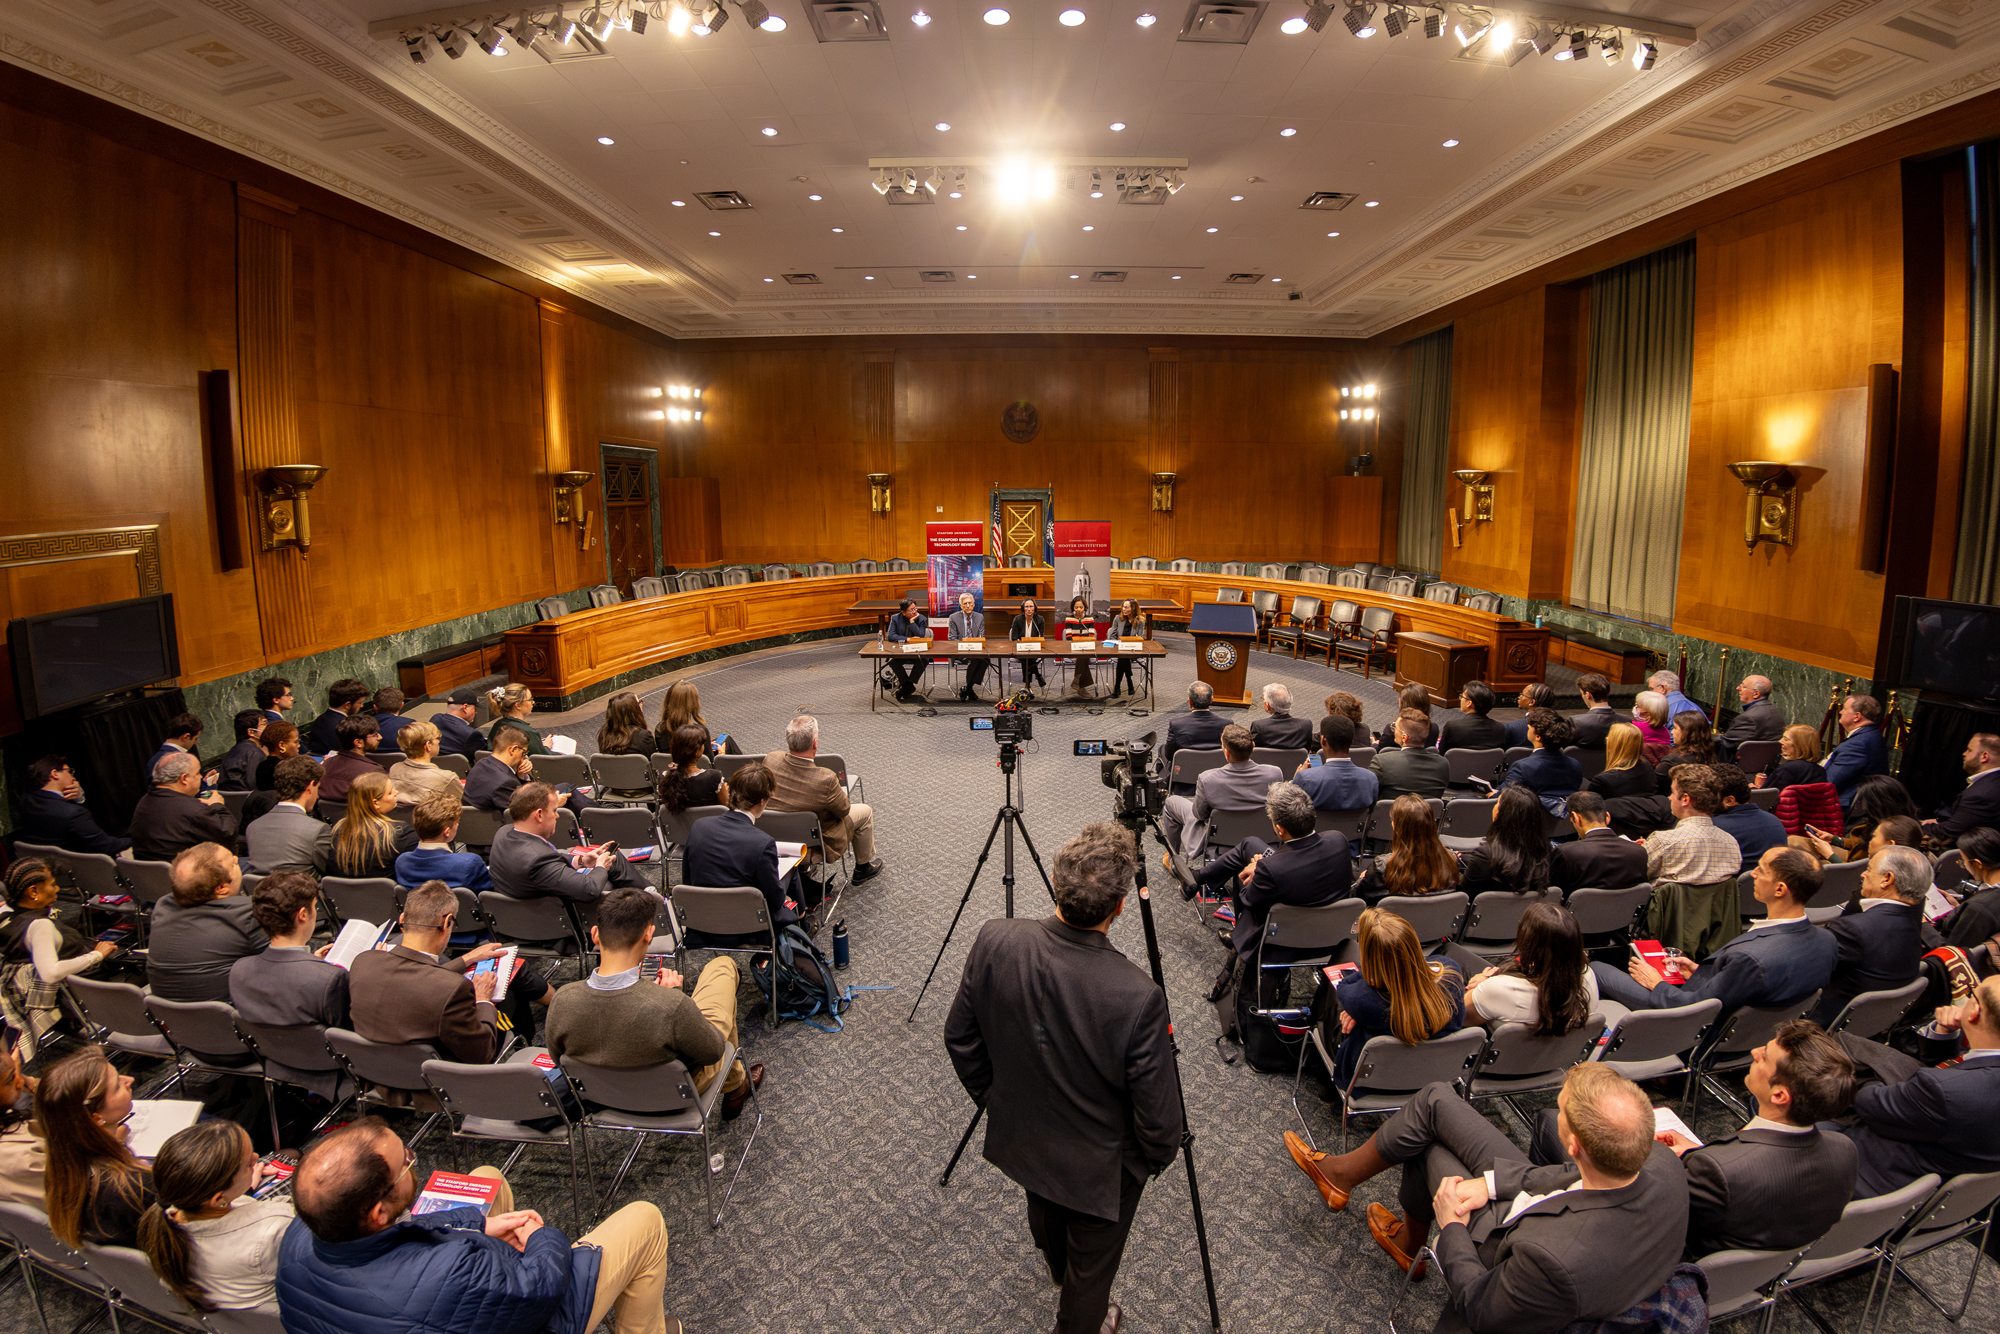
<point x="1223" y="633"/>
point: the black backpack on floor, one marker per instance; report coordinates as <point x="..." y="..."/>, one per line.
<point x="1269" y="1047"/>
<point x="804" y="977"/>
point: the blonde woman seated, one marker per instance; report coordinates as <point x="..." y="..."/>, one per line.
<point x="213" y="1245"/>
<point x="1798" y="760"/>
<point x="512" y="704"/>
<point x="419" y="776"/>
<point x="1396" y="991"/>
<point x="1626" y="773"/>
<point x="367" y="842"/>
<point x="1417" y="862"/>
<point x="1548" y="982"/>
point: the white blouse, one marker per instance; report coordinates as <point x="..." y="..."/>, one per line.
<point x="1510" y="998"/>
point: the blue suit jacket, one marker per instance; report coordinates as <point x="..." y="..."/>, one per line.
<point x="69" y="825"/>
<point x="1767" y="966"/>
<point x="1935" y="1121"/>
<point x="1881" y="948"/>
<point x="1755" y="830"/>
<point x="1546" y="773"/>
<point x="1339" y="785"/>
<point x="1309" y="871"/>
<point x="457" y="737"/>
<point x="1862" y="754"/>
<point x="728" y="851"/>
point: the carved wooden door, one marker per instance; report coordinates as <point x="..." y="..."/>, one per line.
<point x="628" y="521"/>
<point x="1021" y="530"/>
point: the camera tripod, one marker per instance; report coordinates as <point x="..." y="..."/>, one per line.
<point x="1137" y="824"/>
<point x="1009" y="818"/>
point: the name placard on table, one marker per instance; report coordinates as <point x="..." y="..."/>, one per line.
<point x="1083" y="645"/>
<point x="918" y="648"/>
<point x="1028" y="646"/>
<point x="1131" y="645"/>
<point x="971" y="645"/>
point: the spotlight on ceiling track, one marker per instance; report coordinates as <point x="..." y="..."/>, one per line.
<point x="561" y="28"/>
<point x="636" y="20"/>
<point x="1472" y="28"/>
<point x="599" y="22"/>
<point x="1146" y="20"/>
<point x="1644" y="53"/>
<point x="1360" y="20"/>
<point x="1540" y="40"/>
<point x="492" y="41"/>
<point x="1612" y="49"/>
<point x="1500" y="35"/>
<point x="678" y="22"/>
<point x="1434" y="23"/>
<point x="419" y="47"/>
<point x="454" y="42"/>
<point x="1317" y="14"/>
<point x="1579" y="47"/>
<point x="1394" y="20"/>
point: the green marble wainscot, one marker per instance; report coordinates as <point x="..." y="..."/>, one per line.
<point x="668" y="666"/>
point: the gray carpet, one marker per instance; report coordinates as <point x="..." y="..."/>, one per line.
<point x="837" y="1223"/>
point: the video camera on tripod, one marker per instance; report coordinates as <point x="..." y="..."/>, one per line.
<point x="1126" y="767"/>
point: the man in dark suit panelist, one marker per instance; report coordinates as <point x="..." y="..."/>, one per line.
<point x="1064" y="1042"/>
<point x="1200" y="729"/>
<point x="170" y="818"/>
<point x="1472" y="729"/>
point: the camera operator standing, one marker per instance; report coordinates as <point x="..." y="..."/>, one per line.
<point x="1065" y="1043"/>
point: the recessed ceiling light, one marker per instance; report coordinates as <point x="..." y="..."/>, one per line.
<point x="1236" y="199"/>
<point x="996" y="17"/>
<point x="606" y="140"/>
<point x="867" y="277"/>
<point x="1145" y="20"/>
<point x="773" y="24"/>
<point x="1277" y="280"/>
<point x="1287" y="132"/>
<point x="680" y="203"/>
<point x="1117" y="124"/>
<point x="1073" y="275"/>
<point x="972" y="275"/>
<point x="920" y="19"/>
<point x="961" y="226"/>
<point x="1333" y="233"/>
<point x="958" y="194"/>
<point x="1373" y="203"/>
<point x="1451" y="143"/>
<point x="840" y="229"/>
<point x="1070" y="18"/>
<point x="942" y="125"/>
<point x="769" y="131"/>
<point x="1097" y="194"/>
<point x="1215" y="229"/>
<point x="1090" y="229"/>
<point x="814" y="198"/>
<point x="715" y="233"/>
<point x="1292" y="27"/>
<point x="770" y="280"/>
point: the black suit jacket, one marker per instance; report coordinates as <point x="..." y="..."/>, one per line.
<point x="69" y="825"/>
<point x="726" y="851"/>
<point x="323" y="736"/>
<point x="1761" y="720"/>
<point x="1593" y="725"/>
<point x="1200" y="729"/>
<point x="166" y="823"/>
<point x="1309" y="871"/>
<point x="490" y="785"/>
<point x="1063" y="1040"/>
<point x="1938" y="1121"/>
<point x="1417" y="769"/>
<point x="286" y="987"/>
<point x="1469" y="731"/>
<point x="1283" y="732"/>
<point x="1766" y="1190"/>
<point x="458" y="737"/>
<point x="1978" y="806"/>
<point x="1598" y="860"/>
<point x="1881" y="948"/>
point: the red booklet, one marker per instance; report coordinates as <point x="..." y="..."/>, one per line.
<point x="449" y="1190"/>
<point x="1654" y="953"/>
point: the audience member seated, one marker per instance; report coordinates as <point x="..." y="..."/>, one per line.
<point x="1933" y="1120"/>
<point x="1649" y="715"/>
<point x="274" y="696"/>
<point x="1306" y="869"/>
<point x="94" y="1189"/>
<point x="359" y="736"/>
<point x="1417" y="861"/>
<point x="1596" y="858"/>
<point x="613" y="1018"/>
<point x="1876" y="800"/>
<point x="344" y="698"/>
<point x="366" y="842"/>
<point x="1693" y="743"/>
<point x="23" y="1157"/>
<point x="524" y="864"/>
<point x="1694" y="851"/>
<point x="624" y="730"/>
<point x="1977" y="919"/>
<point x="1029" y="624"/>
<point x="1276" y="728"/>
<point x="1626" y="772"/>
<point x="511" y="706"/>
<point x="1534" y="695"/>
<point x="686" y="784"/>
<point x="418" y="775"/>
<point x="1396" y="992"/>
<point x="290" y="837"/>
<point x="1239" y="785"/>
<point x="1668" y="684"/>
<point x="388" y="709"/>
<point x="1129" y="623"/>
<point x="1515" y="853"/>
<point x="237" y="769"/>
<point x="1200" y="728"/>
<point x="279" y="741"/>
<point x="1547" y="983"/>
<point x="170" y="818"/>
<point x="1524" y="1247"/>
<point x="183" y="737"/>
<point x="1895" y="831"/>
<point x="1470" y="728"/>
<point x="1411" y="767"/>
<point x="1880" y="940"/>
<point x="1348" y="706"/>
<point x="53" y="813"/>
<point x="729" y="851"/>
<point x="1597" y="717"/>
<point x="1335" y="782"/>
<point x="358" y="1265"/>
<point x="801" y="785"/>
<point x="202" y="928"/>
<point x="1755" y="829"/>
<point x="1080" y="624"/>
<point x="1862" y="752"/>
<point x="435" y="822"/>
<point x="209" y="1242"/>
<point x="1977" y="805"/>
<point x="411" y="994"/>
<point x="1779" y="959"/>
<point x="37" y="952"/>
<point x="289" y="983"/>
<point x="1548" y="773"/>
<point x="1798" y="760"/>
<point x="681" y="707"/>
<point x="908" y="623"/>
<point x="494" y="777"/>
<point x="1761" y="718"/>
<point x="456" y="734"/>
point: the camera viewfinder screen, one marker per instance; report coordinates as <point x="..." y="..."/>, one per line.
<point x="1090" y="747"/>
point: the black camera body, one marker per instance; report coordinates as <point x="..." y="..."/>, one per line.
<point x="1009" y="727"/>
<point x="1128" y="772"/>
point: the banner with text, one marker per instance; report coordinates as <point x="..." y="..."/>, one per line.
<point x="955" y="559"/>
<point x="1082" y="563"/>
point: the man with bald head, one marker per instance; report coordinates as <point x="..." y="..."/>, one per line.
<point x="1760" y="719"/>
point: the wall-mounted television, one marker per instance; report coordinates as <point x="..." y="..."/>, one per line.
<point x="66" y="658"/>
<point x="1952" y="648"/>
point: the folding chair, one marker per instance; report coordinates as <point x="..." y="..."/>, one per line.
<point x="392" y="1068"/>
<point x="493" y="1103"/>
<point x="632" y="829"/>
<point x="675" y="825"/>
<point x="540" y="927"/>
<point x="1607" y="918"/>
<point x="96" y="878"/>
<point x="371" y="900"/>
<point x="1738" y="1281"/>
<point x="1588" y="758"/>
<point x="1286" y="759"/>
<point x="611" y="775"/>
<point x="1839" y="882"/>
<point x="118" y="1009"/>
<point x="1962" y="1207"/>
<point x="1873" y="1013"/>
<point x="1466" y="821"/>
<point x="804" y="828"/>
<point x="1351" y="825"/>
<point x="205" y="1037"/>
<point x="660" y="1100"/>
<point x="1389" y="1072"/>
<point x="147" y="883"/>
<point x="737" y="911"/>
<point x="558" y="769"/>
<point x="1856" y="1240"/>
<point x="1190" y="763"/>
<point x="1496" y="915"/>
<point x="456" y="764"/>
<point x="476" y="827"/>
<point x="1434" y="917"/>
<point x="727" y="765"/>
<point x="1228" y="828"/>
<point x="1756" y="757"/>
<point x="297" y="1047"/>
<point x="1466" y="765"/>
<point x="1654" y="1044"/>
<point x="42" y="1252"/>
<point x="851" y="785"/>
<point x="1315" y="933"/>
<point x="1379" y="823"/>
<point x="1518" y="1060"/>
<point x="1735" y="1037"/>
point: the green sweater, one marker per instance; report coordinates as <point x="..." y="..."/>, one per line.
<point x="645" y="1024"/>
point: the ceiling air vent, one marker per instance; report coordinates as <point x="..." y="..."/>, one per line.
<point x="803" y="279"/>
<point x="1245" y="278"/>
<point x="1332" y="201"/>
<point x="937" y="275"/>
<point x="1231" y="23"/>
<point x="846" y="20"/>
<point x="1108" y="276"/>
<point x="723" y="201"/>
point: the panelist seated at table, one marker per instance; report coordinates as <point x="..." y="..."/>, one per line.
<point x="967" y="623"/>
<point x="1129" y="623"/>
<point x="908" y="623"/>
<point x="1080" y="624"/>
<point x="1028" y="624"/>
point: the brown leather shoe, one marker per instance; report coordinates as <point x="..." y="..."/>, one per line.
<point x="1387" y="1229"/>
<point x="1308" y="1161"/>
<point x="732" y="1103"/>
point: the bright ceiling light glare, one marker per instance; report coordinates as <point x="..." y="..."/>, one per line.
<point x="814" y="198"/>
<point x="770" y="280"/>
<point x="1177" y="277"/>
<point x="1500" y="36"/>
<point x="840" y="229"/>
<point x="958" y="194"/>
<point x="1146" y="20"/>
<point x="1277" y="280"/>
<point x="1360" y="20"/>
<point x="715" y="233"/>
<point x="1090" y="229"/>
<point x="1076" y="275"/>
<point x="1333" y="233"/>
<point x="1451" y="143"/>
<point x="680" y="203"/>
<point x="1213" y="230"/>
<point x="1021" y="181"/>
<point x="606" y="140"/>
<point x="920" y="19"/>
<point x="1236" y="199"/>
<point x="1644" y="53"/>
<point x="1287" y="132"/>
<point x="678" y="21"/>
<point x="867" y="277"/>
<point x="942" y="126"/>
<point x="769" y="132"/>
<point x="1071" y="18"/>
<point x="971" y="275"/>
<point x="1292" y="27"/>
<point x="773" y="24"/>
<point x="1373" y="203"/>
<point x="996" y="17"/>
<point x="961" y="226"/>
<point x="1117" y="124"/>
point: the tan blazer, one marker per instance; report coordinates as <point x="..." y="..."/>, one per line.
<point x="400" y="995"/>
<point x="804" y="786"/>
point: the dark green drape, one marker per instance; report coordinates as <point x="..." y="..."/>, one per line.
<point x="1420" y="508"/>
<point x="1976" y="574"/>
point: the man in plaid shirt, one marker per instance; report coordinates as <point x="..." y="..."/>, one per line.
<point x="1694" y="851"/>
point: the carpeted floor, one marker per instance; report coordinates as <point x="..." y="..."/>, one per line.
<point x="838" y="1224"/>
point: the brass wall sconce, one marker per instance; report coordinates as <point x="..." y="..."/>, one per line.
<point x="878" y="493"/>
<point x="282" y="518"/>
<point x="568" y="503"/>
<point x="1478" y="495"/>
<point x="1163" y="493"/>
<point x="1770" y="502"/>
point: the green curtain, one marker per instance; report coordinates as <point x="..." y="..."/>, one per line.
<point x="1632" y="469"/>
<point x="1976" y="575"/>
<point x="1420" y="508"/>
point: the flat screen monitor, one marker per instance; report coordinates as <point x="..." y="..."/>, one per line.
<point x="66" y="658"/>
<point x="1952" y="648"/>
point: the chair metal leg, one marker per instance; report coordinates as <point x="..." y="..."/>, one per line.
<point x="1978" y="1239"/>
<point x="28" y="1277"/>
<point x="1423" y="1257"/>
<point x="271" y="1107"/>
<point x="758" y="1107"/>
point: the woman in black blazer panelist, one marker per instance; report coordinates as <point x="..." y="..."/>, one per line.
<point x="1029" y="625"/>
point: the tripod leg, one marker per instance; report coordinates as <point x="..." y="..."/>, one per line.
<point x="959" y="1152"/>
<point x="964" y="899"/>
<point x="1034" y="856"/>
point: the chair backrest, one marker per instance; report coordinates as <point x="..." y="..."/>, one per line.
<point x="1401" y="585"/>
<point x="1756" y="757"/>
<point x="1378" y="620"/>
<point x="1466" y="764"/>
<point x="827" y="759"/>
<point x="148" y="882"/>
<point x="1752" y="1026"/>
<point x="477" y="827"/>
<point x="234" y="801"/>
<point x="118" y="1006"/>
<point x="1265" y="600"/>
<point x="1468" y="817"/>
<point x="1588" y="758"/>
<point x="1181" y="566"/>
<point x="1228" y="828"/>
<point x="1228" y="595"/>
<point x="1864" y="1222"/>
<point x="674" y="825"/>
<point x="570" y="769"/>
<point x="1305" y="610"/>
<point x="1378" y="583"/>
<point x="606" y="595"/>
<point x="1600" y="911"/>
<point x="628" y="826"/>
<point x="1349" y="579"/>
<point x="1231" y="569"/>
<point x="1293" y="927"/>
<point x="734" y="576"/>
<point x="1949" y="872"/>
<point x="391" y="1065"/>
<point x="542" y="918"/>
<point x="1873" y="1013"/>
<point x="1191" y="763"/>
<point x="1652" y="1035"/>
<point x="1496" y="914"/>
<point x="1839" y="882"/>
<point x="1270" y="571"/>
<point x="93" y="873"/>
<point x="690" y="582"/>
<point x="1020" y="562"/>
<point x="369" y="900"/>
<point x="1389" y="1065"/>
<point x="1763" y="798"/>
<point x="623" y="773"/>
<point x="1957" y="1200"/>
<point x="547" y="609"/>
<point x="649" y="587"/>
<point x="456" y="764"/>
<point x="1379" y="821"/>
<point x="647" y="1090"/>
<point x="1145" y="563"/>
<point x="1515" y="1050"/>
<point x="1735" y="1277"/>
<point x="516" y="1091"/>
<point x="1432" y="916"/>
<point x="1363" y="756"/>
<point x="1312" y="574"/>
<point x="790" y="826"/>
<point x="819" y="569"/>
<point x="207" y="1028"/>
<point x="865" y="567"/>
<point x="1441" y="593"/>
<point x="734" y="911"/>
<point x="1286" y="758"/>
<point x="1484" y="602"/>
<point x="300" y="1046"/>
<point x="1350" y="825"/>
<point x="727" y="765"/>
<point x="1515" y="754"/>
<point x="1343" y="613"/>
